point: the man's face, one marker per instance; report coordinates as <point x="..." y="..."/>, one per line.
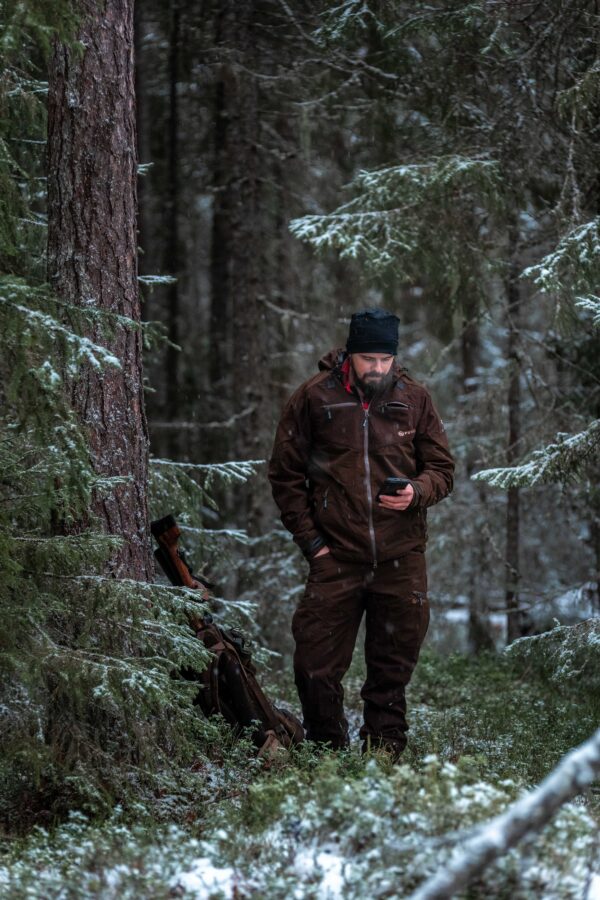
<point x="372" y="372"/>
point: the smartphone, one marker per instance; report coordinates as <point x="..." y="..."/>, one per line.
<point x="391" y="485"/>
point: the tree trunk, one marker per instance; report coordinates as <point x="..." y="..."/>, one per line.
<point x="479" y="637"/>
<point x="514" y="619"/>
<point x="238" y="355"/>
<point x="92" y="259"/>
<point x="172" y="262"/>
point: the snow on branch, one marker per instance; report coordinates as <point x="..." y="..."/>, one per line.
<point x="384" y="221"/>
<point x="152" y="280"/>
<point x="576" y="771"/>
<point x="217" y="534"/>
<point x="236" y="470"/>
<point x="592" y="305"/>
<point x="567" y="653"/>
<point x="33" y="323"/>
<point x="575" y="263"/>
<point x="560" y="461"/>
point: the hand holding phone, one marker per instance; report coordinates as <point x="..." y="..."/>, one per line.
<point x="391" y="486"/>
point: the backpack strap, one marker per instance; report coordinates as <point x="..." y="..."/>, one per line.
<point x="264" y="707"/>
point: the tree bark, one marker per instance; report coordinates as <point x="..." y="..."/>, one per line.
<point x="92" y="259"/>
<point x="479" y="637"/>
<point x="514" y="629"/>
<point x="238" y="355"/>
<point x="172" y="262"/>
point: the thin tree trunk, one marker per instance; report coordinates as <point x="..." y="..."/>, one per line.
<point x="172" y="246"/>
<point x="92" y="258"/>
<point x="478" y="636"/>
<point x="238" y="352"/>
<point x="143" y="116"/>
<point x="220" y="311"/>
<point x="513" y="449"/>
<point x="595" y="545"/>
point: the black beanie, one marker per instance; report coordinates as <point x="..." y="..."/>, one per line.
<point x="373" y="331"/>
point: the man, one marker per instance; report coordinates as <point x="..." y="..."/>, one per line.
<point x="359" y="421"/>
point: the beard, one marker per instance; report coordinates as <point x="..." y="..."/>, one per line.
<point x="372" y="385"/>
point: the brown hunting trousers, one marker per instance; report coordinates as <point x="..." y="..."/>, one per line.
<point x="325" y="627"/>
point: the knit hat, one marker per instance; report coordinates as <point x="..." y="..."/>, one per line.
<point x="373" y="331"/>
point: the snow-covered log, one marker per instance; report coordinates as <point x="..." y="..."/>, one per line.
<point x="529" y="814"/>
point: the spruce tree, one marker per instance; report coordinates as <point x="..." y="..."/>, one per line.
<point x="92" y="702"/>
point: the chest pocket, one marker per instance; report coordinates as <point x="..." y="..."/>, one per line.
<point x="394" y="409"/>
<point x="339" y="424"/>
<point x="394" y="423"/>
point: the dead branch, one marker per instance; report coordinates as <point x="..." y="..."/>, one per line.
<point x="576" y="771"/>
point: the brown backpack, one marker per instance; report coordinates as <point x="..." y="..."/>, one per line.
<point x="228" y="684"/>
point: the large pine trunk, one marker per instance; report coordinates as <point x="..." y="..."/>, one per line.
<point x="92" y="257"/>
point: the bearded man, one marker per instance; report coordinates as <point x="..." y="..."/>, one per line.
<point x="342" y="434"/>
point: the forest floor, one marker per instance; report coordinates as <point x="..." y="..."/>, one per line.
<point x="335" y="825"/>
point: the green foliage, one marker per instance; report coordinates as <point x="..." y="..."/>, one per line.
<point x="93" y="705"/>
<point x="567" y="656"/>
<point x="496" y="708"/>
<point x="591" y="305"/>
<point x="178" y="485"/>
<point x="570" y="270"/>
<point x="415" y="219"/>
<point x="309" y="830"/>
<point x="563" y="461"/>
<point x="580" y="102"/>
<point x="573" y="267"/>
<point x="298" y="825"/>
<point x="27" y="31"/>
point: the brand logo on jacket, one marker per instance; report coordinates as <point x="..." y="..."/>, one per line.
<point x="406" y="433"/>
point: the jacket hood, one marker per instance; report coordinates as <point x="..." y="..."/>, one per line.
<point x="331" y="359"/>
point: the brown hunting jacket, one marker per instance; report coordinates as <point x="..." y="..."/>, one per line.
<point x="331" y="456"/>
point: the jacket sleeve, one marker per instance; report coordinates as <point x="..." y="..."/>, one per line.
<point x="288" y="473"/>
<point x="435" y="463"/>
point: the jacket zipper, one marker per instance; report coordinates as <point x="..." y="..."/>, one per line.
<point x="368" y="484"/>
<point x="329" y="407"/>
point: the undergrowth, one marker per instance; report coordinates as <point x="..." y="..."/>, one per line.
<point x="326" y="824"/>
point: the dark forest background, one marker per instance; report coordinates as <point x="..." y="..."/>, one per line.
<point x="194" y="198"/>
<point x="254" y="116"/>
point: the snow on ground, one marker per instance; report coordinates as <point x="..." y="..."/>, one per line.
<point x="594" y="888"/>
<point x="325" y="864"/>
<point x="204" y="879"/>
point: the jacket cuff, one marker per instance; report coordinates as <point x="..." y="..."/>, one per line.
<point x="416" y="500"/>
<point x="309" y="548"/>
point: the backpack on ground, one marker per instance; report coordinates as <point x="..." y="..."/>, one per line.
<point x="228" y="685"/>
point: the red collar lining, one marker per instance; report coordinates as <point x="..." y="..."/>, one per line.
<point x="345" y="370"/>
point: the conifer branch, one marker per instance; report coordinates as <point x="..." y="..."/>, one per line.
<point x="564" y="460"/>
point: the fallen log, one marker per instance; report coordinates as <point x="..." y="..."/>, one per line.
<point x="576" y="771"/>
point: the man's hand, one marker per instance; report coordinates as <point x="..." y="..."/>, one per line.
<point x="322" y="552"/>
<point x="401" y="501"/>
